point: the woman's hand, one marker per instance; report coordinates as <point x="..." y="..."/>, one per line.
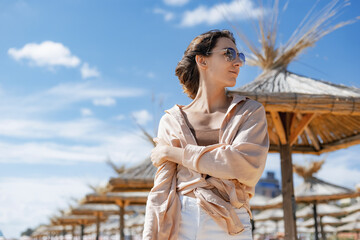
<point x="164" y="152"/>
<point x="159" y="153"/>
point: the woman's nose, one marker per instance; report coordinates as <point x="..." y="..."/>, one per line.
<point x="238" y="62"/>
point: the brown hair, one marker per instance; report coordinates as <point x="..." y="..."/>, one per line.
<point x="187" y="70"/>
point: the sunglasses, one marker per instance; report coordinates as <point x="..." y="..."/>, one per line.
<point x="231" y="54"/>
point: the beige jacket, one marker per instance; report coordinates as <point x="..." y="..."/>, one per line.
<point x="234" y="165"/>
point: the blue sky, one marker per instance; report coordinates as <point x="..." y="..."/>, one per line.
<point x="76" y="74"/>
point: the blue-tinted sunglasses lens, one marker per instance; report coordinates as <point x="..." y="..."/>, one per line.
<point x="231" y="54"/>
<point x="242" y="57"/>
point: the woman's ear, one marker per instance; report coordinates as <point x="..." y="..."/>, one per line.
<point x="201" y="61"/>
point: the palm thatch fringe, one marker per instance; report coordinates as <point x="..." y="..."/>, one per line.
<point x="308" y="171"/>
<point x="313" y="27"/>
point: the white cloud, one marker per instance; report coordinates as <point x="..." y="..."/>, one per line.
<point x="142" y="116"/>
<point x="176" y="2"/>
<point x="167" y="14"/>
<point x="119" y="117"/>
<point x="235" y="10"/>
<point x="87" y="72"/>
<point x="25" y="202"/>
<point x="86" y="112"/>
<point x="340" y="174"/>
<point x="45" y="54"/>
<point x="80" y="129"/>
<point x="60" y="97"/>
<point x="87" y="140"/>
<point x="122" y="147"/>
<point x="84" y="91"/>
<point x="104" y="101"/>
<point x="50" y="153"/>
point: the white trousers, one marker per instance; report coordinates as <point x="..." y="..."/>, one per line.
<point x="196" y="224"/>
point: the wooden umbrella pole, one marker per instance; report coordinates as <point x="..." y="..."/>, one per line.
<point x="63" y="232"/>
<point x="82" y="232"/>
<point x="97" y="226"/>
<point x="121" y="221"/>
<point x="315" y="222"/>
<point x="289" y="204"/>
<point x="323" y="236"/>
<point x="72" y="232"/>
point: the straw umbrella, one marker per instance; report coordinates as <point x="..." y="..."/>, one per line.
<point x="270" y="214"/>
<point x="137" y="178"/>
<point x="320" y="213"/>
<point x="326" y="229"/>
<point x="353" y="223"/>
<point x="314" y="191"/>
<point x="265" y="227"/>
<point x="322" y="210"/>
<point x="258" y="202"/>
<point x="130" y="187"/>
<point x="101" y="211"/>
<point x="350" y="227"/>
<point x="49" y="230"/>
<point x="39" y="232"/>
<point x="326" y="220"/>
<point x="353" y="208"/>
<point x="75" y="220"/>
<point x="303" y="115"/>
<point x="121" y="199"/>
<point x="351" y="218"/>
<point x="275" y="227"/>
<point x="112" y="224"/>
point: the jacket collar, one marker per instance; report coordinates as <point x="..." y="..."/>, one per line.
<point x="175" y="112"/>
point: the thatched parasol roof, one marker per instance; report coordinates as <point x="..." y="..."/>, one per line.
<point x="326" y="115"/>
<point x="353" y="208"/>
<point x="322" y="210"/>
<point x="269" y="214"/>
<point x="325" y="220"/>
<point x="351" y="218"/>
<point x="274" y="227"/>
<point x="283" y="81"/>
<point x="119" y="198"/>
<point x="137" y="178"/>
<point x="112" y="224"/>
<point x="44" y="230"/>
<point x="93" y="209"/>
<point x="314" y="189"/>
<point x="352" y="226"/>
<point x="74" y="220"/>
<point x="40" y="231"/>
<point x="257" y="202"/>
<point x="326" y="229"/>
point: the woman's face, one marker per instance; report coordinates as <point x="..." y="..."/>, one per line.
<point x="219" y="70"/>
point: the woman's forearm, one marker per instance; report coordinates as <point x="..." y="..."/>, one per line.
<point x="174" y="154"/>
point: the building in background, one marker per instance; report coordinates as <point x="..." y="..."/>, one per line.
<point x="268" y="186"/>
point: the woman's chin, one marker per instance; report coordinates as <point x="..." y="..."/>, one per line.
<point x="231" y="82"/>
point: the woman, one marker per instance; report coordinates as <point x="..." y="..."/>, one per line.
<point x="211" y="153"/>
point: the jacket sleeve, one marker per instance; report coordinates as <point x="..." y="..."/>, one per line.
<point x="163" y="204"/>
<point x="244" y="159"/>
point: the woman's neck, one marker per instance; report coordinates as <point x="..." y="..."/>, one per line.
<point x="210" y="99"/>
